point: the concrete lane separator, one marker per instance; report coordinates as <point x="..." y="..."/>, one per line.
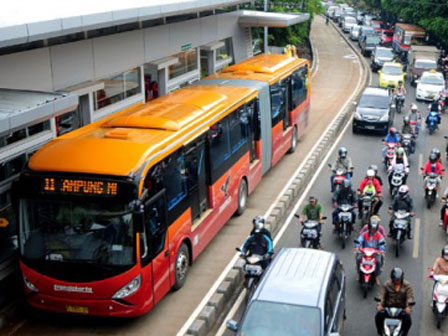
<point x="288" y="221"/>
<point x="416" y="239"/>
<point x="197" y="324"/>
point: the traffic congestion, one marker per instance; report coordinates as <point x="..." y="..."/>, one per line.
<point x="379" y="202"/>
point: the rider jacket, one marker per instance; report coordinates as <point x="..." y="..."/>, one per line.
<point x="400" y="299"/>
<point x="255" y="246"/>
<point x="433" y="168"/>
<point x="402" y="204"/>
<point x="375" y="183"/>
<point x="345" y="163"/>
<point x="403" y="160"/>
<point x="367" y="240"/>
<point x="392" y="138"/>
<point x="345" y="196"/>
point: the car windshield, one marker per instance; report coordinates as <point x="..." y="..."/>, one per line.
<point x="386" y="53"/>
<point x="425" y="64"/>
<point x="372" y="40"/>
<point x="268" y="318"/>
<point x="371" y="101"/>
<point x="391" y="70"/>
<point x="432" y="80"/>
<point x="76" y="231"/>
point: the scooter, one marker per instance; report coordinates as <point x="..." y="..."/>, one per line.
<point x="344" y="225"/>
<point x="390" y="154"/>
<point x="366" y="208"/>
<point x="340" y="176"/>
<point x="397" y="179"/>
<point x="407" y="142"/>
<point x="414" y="126"/>
<point x="367" y="268"/>
<point x="252" y="271"/>
<point x="309" y="234"/>
<point x="431" y="186"/>
<point x="432" y="121"/>
<point x="393" y="322"/>
<point x="399" y="102"/>
<point x="439" y="297"/>
<point x="400" y="227"/>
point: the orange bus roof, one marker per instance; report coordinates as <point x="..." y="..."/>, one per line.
<point x="120" y="144"/>
<point x="411" y="27"/>
<point x="266" y="68"/>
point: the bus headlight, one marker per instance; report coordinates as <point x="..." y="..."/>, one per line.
<point x="30" y="285"/>
<point x="129" y="289"/>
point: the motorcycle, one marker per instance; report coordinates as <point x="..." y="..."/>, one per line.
<point x="397" y="179"/>
<point x="446" y="147"/>
<point x="399" y="102"/>
<point x="407" y="142"/>
<point x="440" y="297"/>
<point x="445" y="219"/>
<point x="400" y="227"/>
<point x="443" y="102"/>
<point x="431" y="186"/>
<point x="432" y="124"/>
<point x="390" y="154"/>
<point x="367" y="268"/>
<point x="344" y="225"/>
<point x="309" y="235"/>
<point x="393" y="322"/>
<point x="340" y="175"/>
<point x="366" y="208"/>
<point x="414" y="126"/>
<point x="252" y="271"/>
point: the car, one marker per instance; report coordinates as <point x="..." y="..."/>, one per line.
<point x="348" y="23"/>
<point x="367" y="20"/>
<point x="337" y="14"/>
<point x="391" y="74"/>
<point x="369" y="44"/>
<point x="379" y="56"/>
<point x="354" y="32"/>
<point x="373" y="111"/>
<point x="429" y="85"/>
<point x="302" y="292"/>
<point x="365" y="31"/>
<point x="377" y="25"/>
<point x="387" y="37"/>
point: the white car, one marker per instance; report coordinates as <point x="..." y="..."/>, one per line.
<point x="354" y="32"/>
<point x="429" y="85"/>
<point x="349" y="22"/>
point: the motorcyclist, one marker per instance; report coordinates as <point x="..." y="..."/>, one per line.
<point x="396" y="292"/>
<point x="371" y="239"/>
<point x="400" y="158"/>
<point x="381" y="228"/>
<point x="391" y="137"/>
<point x="441" y="264"/>
<point x="259" y="243"/>
<point x="378" y="177"/>
<point x="313" y="211"/>
<point x="400" y="91"/>
<point x="434" y="107"/>
<point x="436" y="151"/>
<point x="414" y="115"/>
<point x="407" y="129"/>
<point x="371" y="180"/>
<point x="402" y="201"/>
<point x="433" y="166"/>
<point x="343" y="161"/>
<point x="344" y="195"/>
<point x="444" y="206"/>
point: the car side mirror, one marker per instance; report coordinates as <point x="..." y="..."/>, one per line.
<point x="232" y="325"/>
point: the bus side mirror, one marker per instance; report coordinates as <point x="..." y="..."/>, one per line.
<point x="139" y="218"/>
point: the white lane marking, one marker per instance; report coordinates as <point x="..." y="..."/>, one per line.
<point x="351" y="56"/>
<point x="416" y="238"/>
<point x="288" y="221"/>
<point x="229" y="266"/>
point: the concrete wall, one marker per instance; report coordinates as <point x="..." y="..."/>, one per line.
<point x="60" y="66"/>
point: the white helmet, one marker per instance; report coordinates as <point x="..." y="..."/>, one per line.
<point x="370" y="173"/>
<point x="414" y="107"/>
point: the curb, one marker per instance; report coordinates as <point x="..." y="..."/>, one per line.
<point x="233" y="282"/>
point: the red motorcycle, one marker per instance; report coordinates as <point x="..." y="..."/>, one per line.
<point x="443" y="101"/>
<point x="445" y="218"/>
<point x="414" y="127"/>
<point x="390" y="154"/>
<point x="340" y="175"/>
<point x="367" y="268"/>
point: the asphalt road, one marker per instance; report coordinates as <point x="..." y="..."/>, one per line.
<point x="416" y="256"/>
<point x="336" y="77"/>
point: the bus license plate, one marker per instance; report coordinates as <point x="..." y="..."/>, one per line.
<point x="77" y="309"/>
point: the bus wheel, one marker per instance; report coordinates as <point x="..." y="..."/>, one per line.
<point x="242" y="197"/>
<point x="182" y="265"/>
<point x="293" y="147"/>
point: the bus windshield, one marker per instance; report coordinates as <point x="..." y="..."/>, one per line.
<point x="76" y="231"/>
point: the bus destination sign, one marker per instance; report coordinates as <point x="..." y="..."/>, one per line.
<point x="69" y="186"/>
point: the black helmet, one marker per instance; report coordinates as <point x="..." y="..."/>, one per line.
<point x="343" y="152"/>
<point x="259" y="223"/>
<point x="436" y="151"/>
<point x="432" y="158"/>
<point x="347" y="184"/>
<point x="397" y="274"/>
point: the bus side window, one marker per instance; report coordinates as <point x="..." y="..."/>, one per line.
<point x="219" y="146"/>
<point x="278" y="102"/>
<point x="254" y="119"/>
<point x="174" y="179"/>
<point x="239" y="128"/>
<point x="299" y="86"/>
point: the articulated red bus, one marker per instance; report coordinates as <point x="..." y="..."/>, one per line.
<point x="112" y="215"/>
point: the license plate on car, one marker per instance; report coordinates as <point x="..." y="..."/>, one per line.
<point x="77" y="309"/>
<point x="370" y="127"/>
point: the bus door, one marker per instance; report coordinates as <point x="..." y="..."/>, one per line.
<point x="158" y="248"/>
<point x="196" y="177"/>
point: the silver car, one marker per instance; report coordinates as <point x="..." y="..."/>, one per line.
<point x="354" y="32"/>
<point x="301" y="293"/>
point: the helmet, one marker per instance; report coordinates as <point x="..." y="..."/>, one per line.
<point x="436" y="151"/>
<point x="432" y="158"/>
<point x="414" y="108"/>
<point x="370" y="173"/>
<point x="403" y="191"/>
<point x="342" y="152"/>
<point x="397" y="274"/>
<point x="373" y="225"/>
<point x="347" y="184"/>
<point x="375" y="220"/>
<point x="392" y="130"/>
<point x="406" y="120"/>
<point x="400" y="151"/>
<point x="374" y="168"/>
<point x="445" y="253"/>
<point x="258" y="222"/>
